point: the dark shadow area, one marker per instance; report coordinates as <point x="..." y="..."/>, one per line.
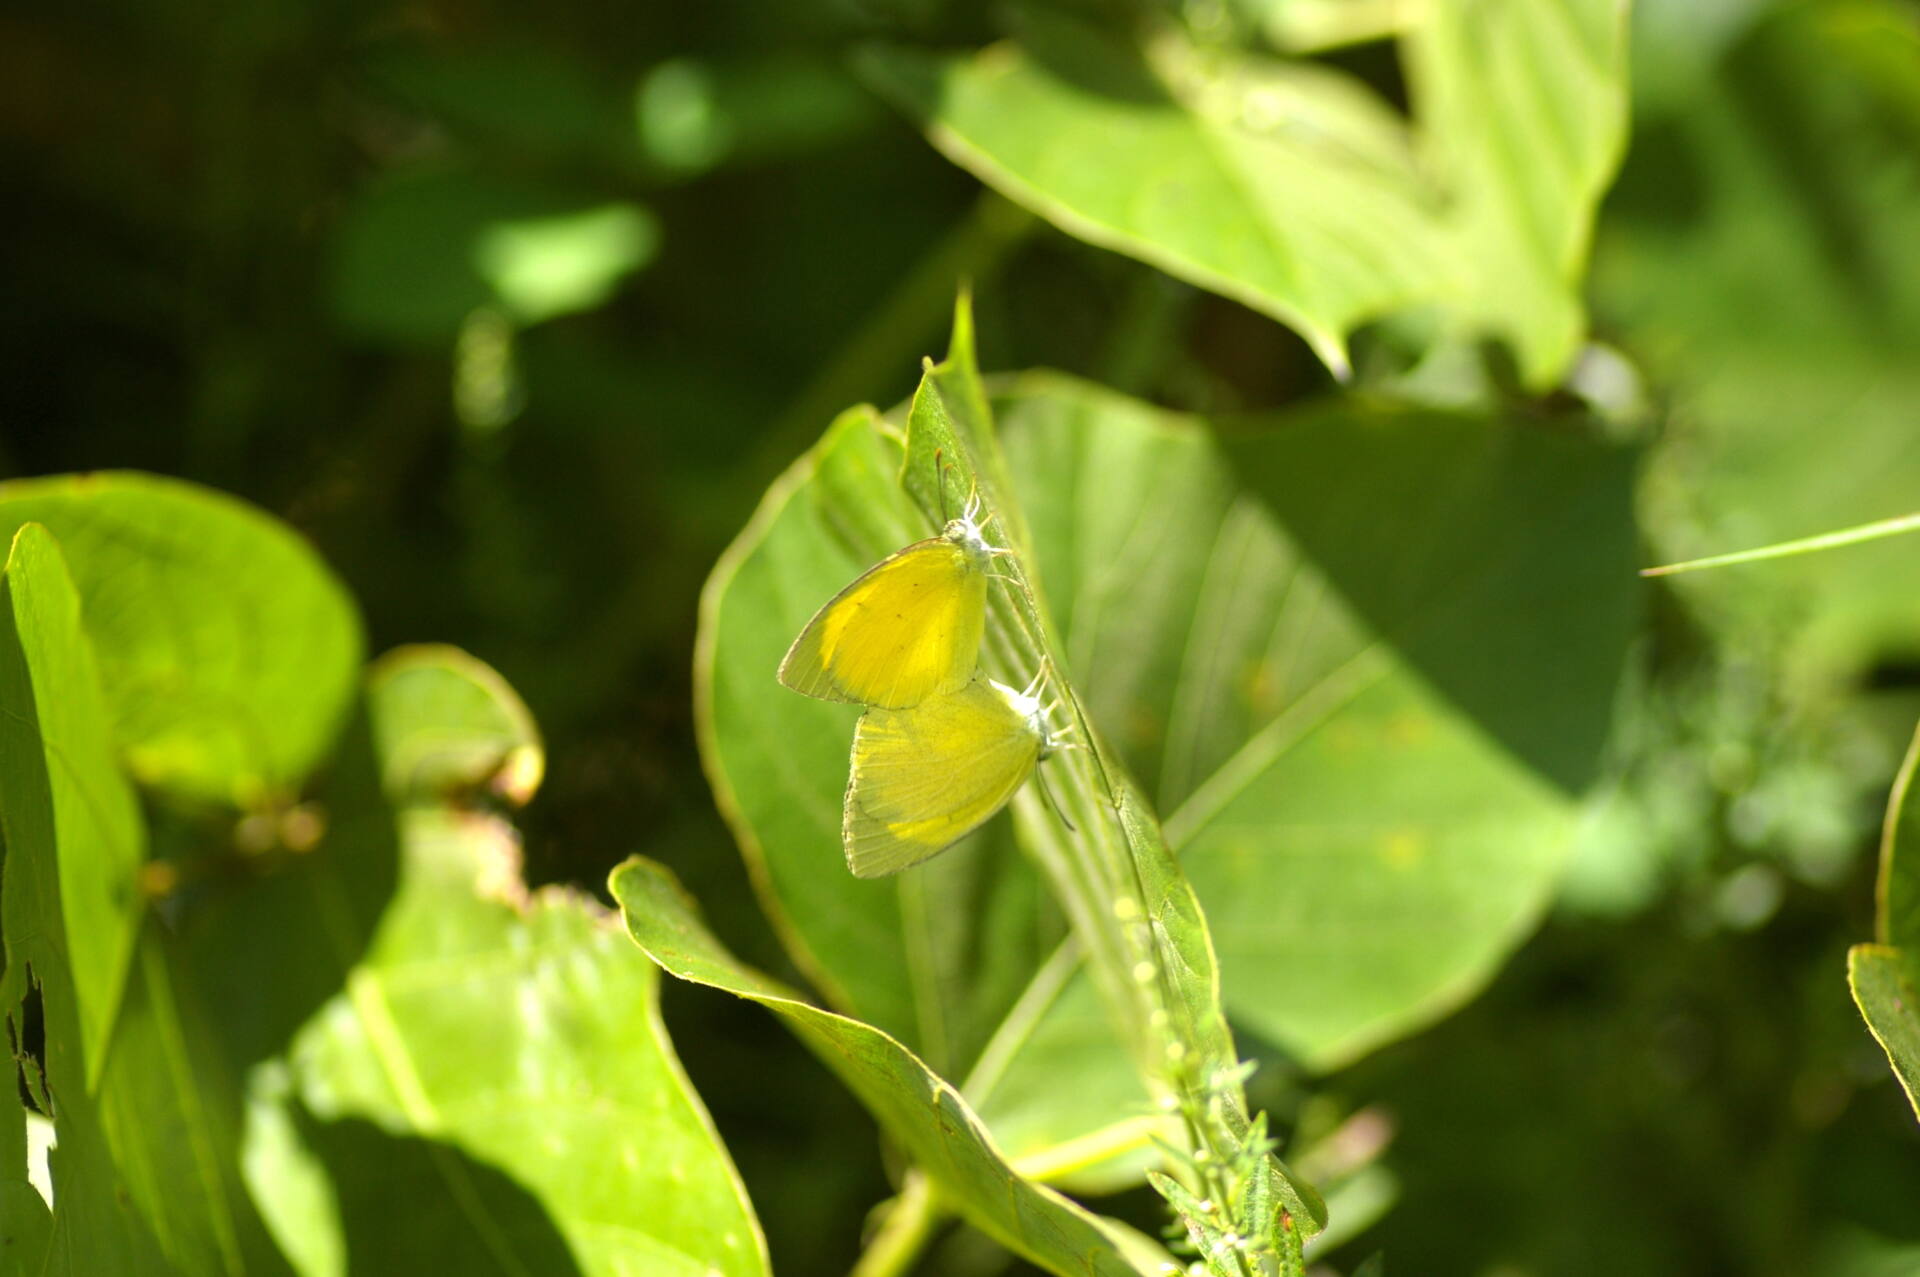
<point x="266" y="949"/>
<point x="1498" y="559"/>
<point x="416" y="1206"/>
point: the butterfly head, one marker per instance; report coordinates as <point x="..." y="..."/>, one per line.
<point x="1035" y="713"/>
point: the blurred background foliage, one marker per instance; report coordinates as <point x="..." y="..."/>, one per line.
<point x="515" y="312"/>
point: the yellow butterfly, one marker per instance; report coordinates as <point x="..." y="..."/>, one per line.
<point x="907" y="629"/>
<point x="926" y="777"/>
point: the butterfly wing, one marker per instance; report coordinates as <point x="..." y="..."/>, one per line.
<point x="925" y="777"/>
<point x="906" y="630"/>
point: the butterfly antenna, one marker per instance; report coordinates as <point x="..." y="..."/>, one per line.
<point x="940" y="481"/>
<point x="1040" y="774"/>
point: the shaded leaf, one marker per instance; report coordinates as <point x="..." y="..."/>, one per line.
<point x="1319" y="685"/>
<point x="227" y="650"/>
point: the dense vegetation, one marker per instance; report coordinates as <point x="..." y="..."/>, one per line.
<point x="428" y="426"/>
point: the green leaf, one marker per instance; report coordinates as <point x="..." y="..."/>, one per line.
<point x="72" y="824"/>
<point x="779" y="766"/>
<point x="936" y="958"/>
<point x="1882" y="980"/>
<point x="496" y="1058"/>
<point x="1286" y="187"/>
<point x="1522" y="110"/>
<point x="227" y="650"/>
<point x="419" y="252"/>
<point x="1329" y="691"/>
<point x="928" y="1118"/>
<point x="25" y="1219"/>
<point x="445" y="723"/>
<point x="1885" y="977"/>
<point x="73" y="844"/>
<point x="778" y="777"/>
<point x="1289" y="186"/>
<point x="143" y="1175"/>
<point x="1056" y="1091"/>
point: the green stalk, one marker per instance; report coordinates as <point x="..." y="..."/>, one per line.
<point x="1787" y="549"/>
<point x="909" y="1225"/>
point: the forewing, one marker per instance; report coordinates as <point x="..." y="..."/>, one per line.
<point x="908" y="629"/>
<point x="925" y="777"/>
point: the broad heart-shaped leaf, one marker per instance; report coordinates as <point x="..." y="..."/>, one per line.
<point x="924" y="1114"/>
<point x="1885" y="977"/>
<point x="1288" y="186"/>
<point x="227" y="649"/>
<point x="1364" y="701"/>
<point x="495" y="1059"/>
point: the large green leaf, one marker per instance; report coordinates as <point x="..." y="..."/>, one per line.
<point x="928" y="1118"/>
<point x="1289" y="186"/>
<point x="1131" y="909"/>
<point x="496" y="1058"/>
<point x="1365" y="718"/>
<point x="1355" y="710"/>
<point x="227" y="649"/>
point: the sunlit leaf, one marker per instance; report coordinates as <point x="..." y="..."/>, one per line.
<point x="226" y="648"/>
<point x="924" y="1114"/>
<point x="496" y="1058"/>
<point x="1289" y="186"/>
<point x="73" y="844"/>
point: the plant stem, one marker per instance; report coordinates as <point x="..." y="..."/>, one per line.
<point x="1806" y="545"/>
<point x="909" y="1224"/>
